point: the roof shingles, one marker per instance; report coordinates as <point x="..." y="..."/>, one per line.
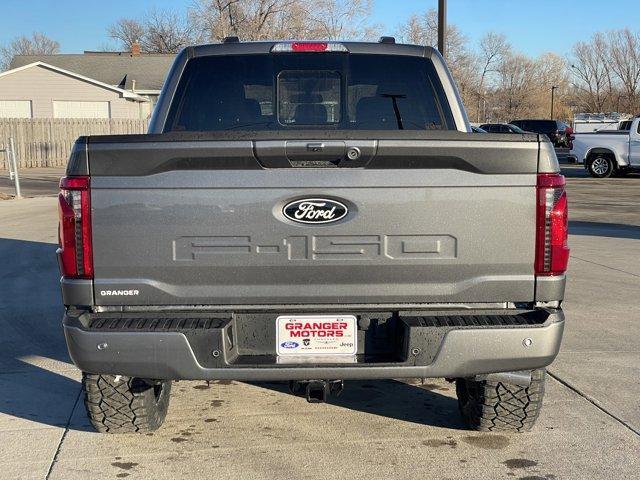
<point x="118" y="69"/>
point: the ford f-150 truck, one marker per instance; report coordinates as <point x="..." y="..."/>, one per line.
<point x="312" y="212"/>
<point x="608" y="152"/>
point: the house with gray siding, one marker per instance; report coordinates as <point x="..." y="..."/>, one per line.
<point x="117" y="85"/>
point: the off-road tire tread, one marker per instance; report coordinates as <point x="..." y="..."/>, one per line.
<point x="122" y="407"/>
<point x="496" y="406"/>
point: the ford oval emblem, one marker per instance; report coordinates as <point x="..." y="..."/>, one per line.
<point x="289" y="345"/>
<point x="315" y="210"/>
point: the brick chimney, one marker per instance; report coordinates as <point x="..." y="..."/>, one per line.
<point x="135" y="49"/>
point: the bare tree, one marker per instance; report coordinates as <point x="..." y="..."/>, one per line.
<point x="551" y="71"/>
<point x="248" y="19"/>
<point x="515" y="87"/>
<point x="161" y="31"/>
<point x="127" y="32"/>
<point x="37" y="44"/>
<point x="342" y="19"/>
<point x="423" y="30"/>
<point x="291" y="23"/>
<point x="215" y="19"/>
<point x="166" y="32"/>
<point x="624" y="61"/>
<point x="493" y="49"/>
<point x="280" y="19"/>
<point x="523" y="87"/>
<point x="606" y="72"/>
<point x="262" y="16"/>
<point x="277" y="19"/>
<point x="591" y="74"/>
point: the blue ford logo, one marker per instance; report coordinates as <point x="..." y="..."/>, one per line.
<point x="289" y="345"/>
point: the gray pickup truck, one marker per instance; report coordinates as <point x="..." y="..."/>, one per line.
<point x="312" y="212"/>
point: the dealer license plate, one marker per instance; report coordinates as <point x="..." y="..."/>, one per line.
<point x="312" y="335"/>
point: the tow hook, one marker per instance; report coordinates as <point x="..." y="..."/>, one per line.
<point x="317" y="391"/>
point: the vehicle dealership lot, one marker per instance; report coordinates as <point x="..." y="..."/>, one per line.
<point x="590" y="425"/>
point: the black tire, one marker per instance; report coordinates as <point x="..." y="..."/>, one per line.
<point x="496" y="406"/>
<point x="118" y="404"/>
<point x="600" y="166"/>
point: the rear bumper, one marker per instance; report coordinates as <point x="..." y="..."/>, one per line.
<point x="200" y="347"/>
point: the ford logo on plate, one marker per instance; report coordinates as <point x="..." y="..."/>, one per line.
<point x="315" y="210"/>
<point x="289" y="345"/>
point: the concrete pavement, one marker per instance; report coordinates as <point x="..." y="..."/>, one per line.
<point x="589" y="426"/>
<point x="33" y="181"/>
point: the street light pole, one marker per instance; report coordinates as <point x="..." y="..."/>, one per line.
<point x="442" y="26"/>
<point x="553" y="89"/>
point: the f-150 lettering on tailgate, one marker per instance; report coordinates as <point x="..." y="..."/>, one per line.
<point x="319" y="247"/>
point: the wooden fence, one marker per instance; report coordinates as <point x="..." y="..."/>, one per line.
<point x="47" y="142"/>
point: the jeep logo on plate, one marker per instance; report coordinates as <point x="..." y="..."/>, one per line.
<point x="315" y="210"/>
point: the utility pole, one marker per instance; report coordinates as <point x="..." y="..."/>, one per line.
<point x="442" y="26"/>
<point x="553" y="89"/>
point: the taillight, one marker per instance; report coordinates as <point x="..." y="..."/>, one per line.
<point x="285" y="47"/>
<point x="552" y="225"/>
<point x="74" y="232"/>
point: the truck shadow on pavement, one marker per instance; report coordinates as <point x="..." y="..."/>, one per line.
<point x="410" y="402"/>
<point x="36" y="374"/>
<point x="601" y="229"/>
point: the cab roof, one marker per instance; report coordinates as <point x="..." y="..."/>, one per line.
<point x="252" y="48"/>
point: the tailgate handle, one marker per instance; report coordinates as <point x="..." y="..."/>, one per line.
<point x="315" y="147"/>
<point x="315" y="153"/>
<point x="315" y="150"/>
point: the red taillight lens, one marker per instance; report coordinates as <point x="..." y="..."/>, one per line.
<point x="285" y="47"/>
<point x="74" y="232"/>
<point x="309" y="46"/>
<point x="552" y="225"/>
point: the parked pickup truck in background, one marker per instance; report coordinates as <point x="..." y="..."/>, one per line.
<point x="312" y="212"/>
<point x="611" y="152"/>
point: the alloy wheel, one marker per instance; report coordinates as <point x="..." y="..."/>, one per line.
<point x="600" y="166"/>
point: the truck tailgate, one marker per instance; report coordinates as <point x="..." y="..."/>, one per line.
<point x="201" y="223"/>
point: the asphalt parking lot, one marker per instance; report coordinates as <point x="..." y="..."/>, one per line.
<point x="589" y="428"/>
<point x="33" y="181"/>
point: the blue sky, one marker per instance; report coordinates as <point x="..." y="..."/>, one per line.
<point x="532" y="26"/>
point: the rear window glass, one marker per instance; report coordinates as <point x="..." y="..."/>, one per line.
<point x="311" y="91"/>
<point x="308" y="97"/>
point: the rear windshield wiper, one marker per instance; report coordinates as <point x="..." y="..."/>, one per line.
<point x="394" y="99"/>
